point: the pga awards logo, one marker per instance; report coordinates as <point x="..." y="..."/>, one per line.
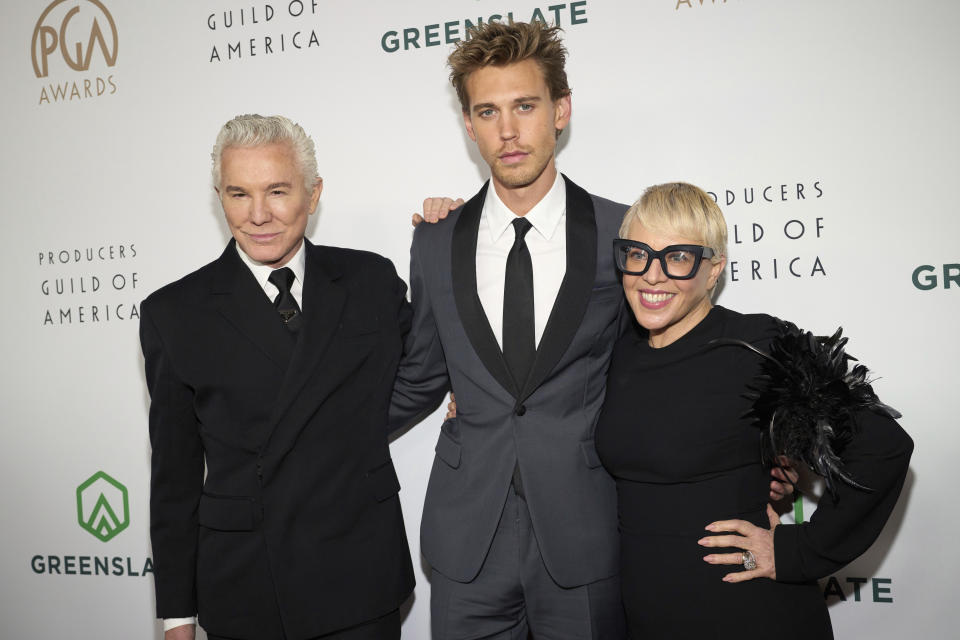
<point x="70" y="38"/>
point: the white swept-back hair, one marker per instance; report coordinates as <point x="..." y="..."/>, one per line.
<point x="253" y="130"/>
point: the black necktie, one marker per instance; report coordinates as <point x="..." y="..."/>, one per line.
<point x="519" y="341"/>
<point x="285" y="303"/>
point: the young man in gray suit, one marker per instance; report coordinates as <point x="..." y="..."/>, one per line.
<point x="519" y="524"/>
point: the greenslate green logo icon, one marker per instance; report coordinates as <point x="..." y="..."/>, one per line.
<point x="102" y="506"/>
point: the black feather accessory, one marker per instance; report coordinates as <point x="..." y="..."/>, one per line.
<point x="806" y="400"/>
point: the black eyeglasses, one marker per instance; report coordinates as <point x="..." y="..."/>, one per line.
<point x="678" y="261"/>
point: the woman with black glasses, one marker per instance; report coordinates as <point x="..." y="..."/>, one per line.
<point x="700" y="400"/>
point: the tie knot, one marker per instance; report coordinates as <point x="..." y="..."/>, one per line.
<point x="282" y="279"/>
<point x="520" y="227"/>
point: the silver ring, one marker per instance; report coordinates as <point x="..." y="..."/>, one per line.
<point x="749" y="560"/>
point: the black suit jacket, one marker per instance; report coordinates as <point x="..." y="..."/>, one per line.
<point x="297" y="521"/>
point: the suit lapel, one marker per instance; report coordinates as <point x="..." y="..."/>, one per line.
<point x="238" y="297"/>
<point x="463" y="270"/>
<point x="323" y="300"/>
<point x="574" y="295"/>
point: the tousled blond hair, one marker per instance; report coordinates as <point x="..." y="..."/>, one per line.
<point x="498" y="44"/>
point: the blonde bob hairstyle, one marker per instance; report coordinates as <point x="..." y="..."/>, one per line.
<point x="681" y="209"/>
<point x="254" y="130"/>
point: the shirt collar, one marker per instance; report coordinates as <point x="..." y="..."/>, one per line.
<point x="545" y="216"/>
<point x="262" y="271"/>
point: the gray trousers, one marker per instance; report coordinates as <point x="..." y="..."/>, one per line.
<point x="514" y="597"/>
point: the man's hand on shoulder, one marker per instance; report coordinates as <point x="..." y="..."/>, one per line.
<point x="183" y="632"/>
<point x="436" y="209"/>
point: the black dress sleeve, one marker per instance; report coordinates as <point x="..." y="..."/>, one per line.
<point x="840" y="530"/>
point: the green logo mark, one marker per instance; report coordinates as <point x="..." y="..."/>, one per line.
<point x="102" y="506"/>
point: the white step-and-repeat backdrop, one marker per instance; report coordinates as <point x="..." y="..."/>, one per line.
<point x="827" y="130"/>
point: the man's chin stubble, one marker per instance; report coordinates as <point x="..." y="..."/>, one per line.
<point x="520" y="179"/>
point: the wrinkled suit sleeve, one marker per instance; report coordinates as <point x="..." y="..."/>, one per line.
<point x="176" y="482"/>
<point x="422" y="379"/>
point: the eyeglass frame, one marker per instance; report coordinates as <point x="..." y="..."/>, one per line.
<point x="700" y="252"/>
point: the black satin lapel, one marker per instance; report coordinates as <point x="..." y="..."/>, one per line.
<point x="240" y="299"/>
<point x="463" y="271"/>
<point x="323" y="301"/>
<point x="574" y="295"/>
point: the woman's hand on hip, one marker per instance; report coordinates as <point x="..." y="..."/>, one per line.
<point x="751" y="539"/>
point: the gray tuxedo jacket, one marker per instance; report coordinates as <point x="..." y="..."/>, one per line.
<point x="544" y="424"/>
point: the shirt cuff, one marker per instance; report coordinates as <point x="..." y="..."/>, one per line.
<point x="172" y="623"/>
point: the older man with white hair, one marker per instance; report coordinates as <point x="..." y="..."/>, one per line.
<point x="274" y="506"/>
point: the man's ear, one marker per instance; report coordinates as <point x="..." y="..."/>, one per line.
<point x="468" y="123"/>
<point x="315" y="194"/>
<point x="563" y="109"/>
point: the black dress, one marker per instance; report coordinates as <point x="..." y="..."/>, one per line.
<point x="674" y="436"/>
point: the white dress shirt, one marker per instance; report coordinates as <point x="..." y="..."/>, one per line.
<point x="261" y="272"/>
<point x="546" y="241"/>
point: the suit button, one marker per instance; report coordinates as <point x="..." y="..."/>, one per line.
<point x="521" y="410"/>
